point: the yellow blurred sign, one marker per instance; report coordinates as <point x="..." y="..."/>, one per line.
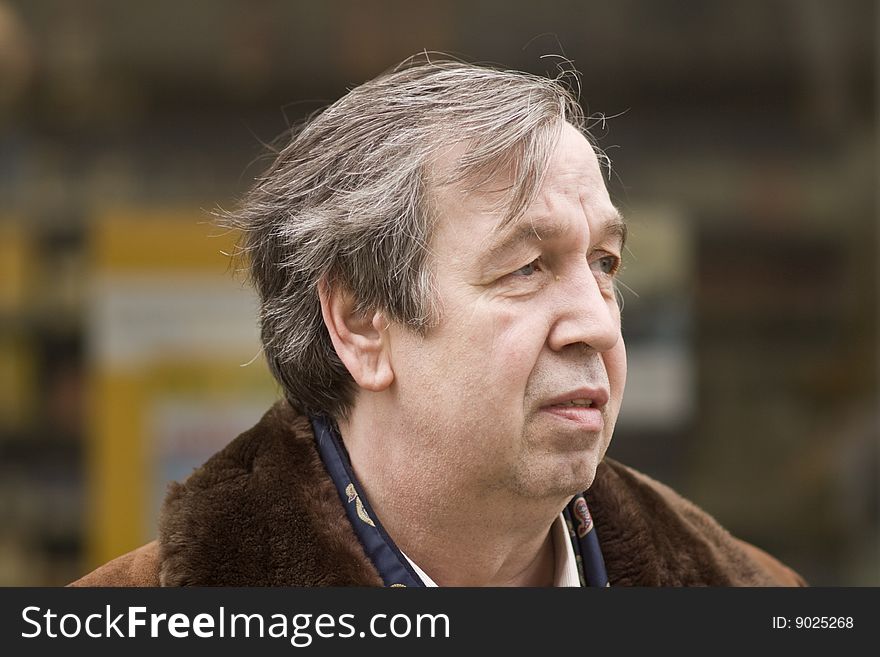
<point x="173" y="346"/>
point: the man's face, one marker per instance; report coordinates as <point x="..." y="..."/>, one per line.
<point x="493" y="397"/>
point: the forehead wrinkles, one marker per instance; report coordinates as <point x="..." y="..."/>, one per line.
<point x="564" y="198"/>
<point x="480" y="212"/>
<point x="572" y="184"/>
<point x="473" y="222"/>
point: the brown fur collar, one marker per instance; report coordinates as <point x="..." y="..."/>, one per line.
<point x="261" y="512"/>
<point x="264" y="512"/>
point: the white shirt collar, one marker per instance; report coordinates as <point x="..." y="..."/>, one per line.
<point x="563" y="552"/>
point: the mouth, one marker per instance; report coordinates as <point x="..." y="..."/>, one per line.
<point x="584" y="408"/>
<point x="579" y="403"/>
<point x="580" y="398"/>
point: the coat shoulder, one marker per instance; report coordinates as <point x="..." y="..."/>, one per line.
<point x="139" y="567"/>
<point x="677" y="543"/>
<point x="781" y="574"/>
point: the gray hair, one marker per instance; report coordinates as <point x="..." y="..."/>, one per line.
<point x="348" y="200"/>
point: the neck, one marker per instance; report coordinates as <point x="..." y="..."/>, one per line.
<point x="458" y="532"/>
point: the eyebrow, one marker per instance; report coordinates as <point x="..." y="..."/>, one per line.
<point x="614" y="228"/>
<point x="537" y="232"/>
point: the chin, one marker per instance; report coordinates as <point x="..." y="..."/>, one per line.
<point x="583" y="470"/>
<point x="566" y="477"/>
<point x="561" y="464"/>
<point x="585" y="476"/>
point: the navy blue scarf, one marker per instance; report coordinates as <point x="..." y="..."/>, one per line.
<point x="393" y="567"/>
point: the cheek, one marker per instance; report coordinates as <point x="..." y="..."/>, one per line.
<point x="510" y="343"/>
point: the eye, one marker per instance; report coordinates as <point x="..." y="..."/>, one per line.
<point x="608" y="264"/>
<point x="532" y="268"/>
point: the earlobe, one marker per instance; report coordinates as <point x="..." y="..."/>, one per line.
<point x="360" y="339"/>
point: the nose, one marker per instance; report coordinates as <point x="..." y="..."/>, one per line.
<point x="586" y="313"/>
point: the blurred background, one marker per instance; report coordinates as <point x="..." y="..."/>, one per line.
<point x="744" y="145"/>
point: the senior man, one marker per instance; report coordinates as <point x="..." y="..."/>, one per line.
<point x="435" y="256"/>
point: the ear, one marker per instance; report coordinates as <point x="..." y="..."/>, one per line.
<point x="360" y="340"/>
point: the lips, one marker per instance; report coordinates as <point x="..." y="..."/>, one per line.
<point x="580" y="398"/>
<point x="582" y="407"/>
